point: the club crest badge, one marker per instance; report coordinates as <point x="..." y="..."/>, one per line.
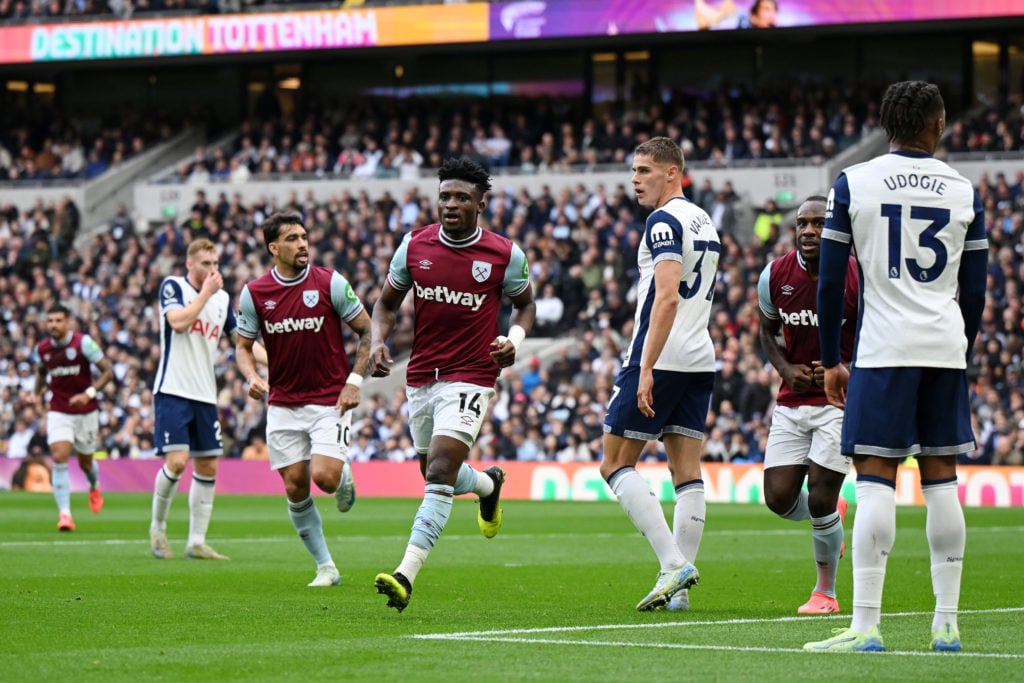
<point x="481" y="271"/>
<point x="71" y="354"/>
<point x="310" y="297"/>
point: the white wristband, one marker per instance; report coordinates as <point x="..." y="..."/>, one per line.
<point x="355" y="379"/>
<point x="91" y="391"/>
<point x="516" y="335"/>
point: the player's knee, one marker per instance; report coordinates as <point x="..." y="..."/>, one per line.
<point x="327" y="481"/>
<point x="296" y="491"/>
<point x="779" y="502"/>
<point x="442" y="470"/>
<point x="607" y="469"/>
<point x="821" y="504"/>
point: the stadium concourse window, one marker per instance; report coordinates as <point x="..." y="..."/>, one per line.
<point x="581" y="245"/>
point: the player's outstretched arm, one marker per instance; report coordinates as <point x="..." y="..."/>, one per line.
<point x="381" y="326"/>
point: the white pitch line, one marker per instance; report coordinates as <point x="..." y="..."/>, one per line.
<point x="721" y="648"/>
<point x="671" y="624"/>
<point x="509" y="635"/>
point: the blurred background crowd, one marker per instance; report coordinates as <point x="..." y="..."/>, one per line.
<point x="581" y="237"/>
<point x="581" y="243"/>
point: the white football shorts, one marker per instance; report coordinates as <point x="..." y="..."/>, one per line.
<point x="453" y="409"/>
<point x="803" y="434"/>
<point x="81" y="430"/>
<point x="294" y="434"/>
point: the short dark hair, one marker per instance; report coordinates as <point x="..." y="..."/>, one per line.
<point x="908" y="108"/>
<point x="662" y="149"/>
<point x="467" y="170"/>
<point x="61" y="309"/>
<point x="273" y="224"/>
<point x="817" y="198"/>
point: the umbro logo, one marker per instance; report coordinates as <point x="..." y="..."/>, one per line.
<point x="787" y="289"/>
<point x="269" y="304"/>
<point x="425" y="264"/>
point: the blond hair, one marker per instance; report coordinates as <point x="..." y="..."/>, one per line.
<point x="202" y="244"/>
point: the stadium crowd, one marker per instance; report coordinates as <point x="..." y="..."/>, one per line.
<point x="998" y="127"/>
<point x="37" y="144"/>
<point x="388" y="138"/>
<point x="581" y="244"/>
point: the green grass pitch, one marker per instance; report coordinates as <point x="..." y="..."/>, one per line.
<point x="551" y="598"/>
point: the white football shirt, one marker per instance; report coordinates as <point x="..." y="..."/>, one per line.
<point x="910" y="218"/>
<point x="187" y="358"/>
<point x="679" y="231"/>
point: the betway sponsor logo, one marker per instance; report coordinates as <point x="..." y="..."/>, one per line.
<point x="804" y="317"/>
<point x="65" y="370"/>
<point x="293" y="325"/>
<point x="444" y="295"/>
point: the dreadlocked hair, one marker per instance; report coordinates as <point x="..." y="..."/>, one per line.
<point x="908" y="108"/>
<point x="467" y="170"/>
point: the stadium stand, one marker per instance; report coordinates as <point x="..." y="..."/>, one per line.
<point x="549" y="407"/>
<point x="779" y="102"/>
<point x="43" y="147"/>
<point x="382" y="138"/>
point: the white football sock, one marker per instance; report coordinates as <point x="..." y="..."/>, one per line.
<point x="200" y="506"/>
<point x="947" y="536"/>
<point x="164" y="488"/>
<point x="689" y="516"/>
<point x="412" y="562"/>
<point x="643" y="507"/>
<point x="874" y="531"/>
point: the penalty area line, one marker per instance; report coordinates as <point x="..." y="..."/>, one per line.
<point x="715" y="648"/>
<point x="528" y="636"/>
